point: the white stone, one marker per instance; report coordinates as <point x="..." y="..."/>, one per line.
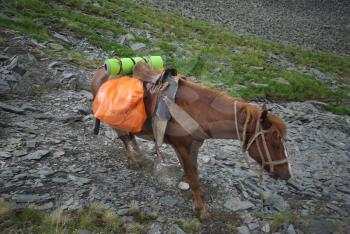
<point x="183" y="186"/>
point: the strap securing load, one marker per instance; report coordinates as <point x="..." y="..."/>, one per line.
<point x="185" y="120"/>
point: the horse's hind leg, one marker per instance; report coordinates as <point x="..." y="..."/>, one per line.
<point x="135" y="145"/>
<point x="131" y="158"/>
<point x="188" y="158"/>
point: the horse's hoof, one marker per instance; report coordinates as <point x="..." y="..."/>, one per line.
<point x="204" y="214"/>
<point x="134" y="165"/>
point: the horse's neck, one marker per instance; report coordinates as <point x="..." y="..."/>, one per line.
<point x="227" y="123"/>
<point x="214" y="112"/>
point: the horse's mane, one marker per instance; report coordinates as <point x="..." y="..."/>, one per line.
<point x="251" y="109"/>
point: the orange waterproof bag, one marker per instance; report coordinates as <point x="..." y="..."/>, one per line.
<point x="119" y="103"/>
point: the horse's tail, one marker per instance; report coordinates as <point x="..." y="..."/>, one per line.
<point x="98" y="79"/>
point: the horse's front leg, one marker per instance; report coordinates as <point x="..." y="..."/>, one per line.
<point x="188" y="158"/>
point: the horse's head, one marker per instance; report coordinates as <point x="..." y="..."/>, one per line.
<point x="266" y="145"/>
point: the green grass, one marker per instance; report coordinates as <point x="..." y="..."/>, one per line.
<point x="94" y="218"/>
<point x="281" y="218"/>
<point x="243" y="62"/>
<point x="191" y="226"/>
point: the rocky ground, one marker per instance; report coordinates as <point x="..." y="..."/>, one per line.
<point x="316" y="24"/>
<point x="49" y="157"/>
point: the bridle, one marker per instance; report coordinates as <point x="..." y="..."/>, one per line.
<point x="259" y="131"/>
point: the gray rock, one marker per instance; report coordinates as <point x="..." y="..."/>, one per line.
<point x="4" y="87"/>
<point x="281" y="81"/>
<point x="29" y="107"/>
<point x="61" y="37"/>
<point x="79" y="180"/>
<point x="175" y="229"/>
<point x="235" y="204"/>
<point x="36" y="155"/>
<point x="31" y="198"/>
<point x="243" y="230"/>
<point x="83" y="231"/>
<point x="21" y="152"/>
<point x="266" y="228"/>
<point x="68" y="75"/>
<point x="253" y="226"/>
<point x="96" y="4"/>
<point x="290" y="229"/>
<point x="55" y="46"/>
<point x="123" y="212"/>
<point x="168" y="201"/>
<point x="156" y="228"/>
<point x="31" y="144"/>
<point x="5" y="154"/>
<point x="45" y="206"/>
<point x="45" y="171"/>
<point x="11" y="109"/>
<point x="53" y="64"/>
<point x="59" y="180"/>
<point x="137" y="46"/>
<point x="277" y="202"/>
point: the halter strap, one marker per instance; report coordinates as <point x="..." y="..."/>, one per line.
<point x="258" y="132"/>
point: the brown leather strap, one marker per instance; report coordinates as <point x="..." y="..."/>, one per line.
<point x="185" y="120"/>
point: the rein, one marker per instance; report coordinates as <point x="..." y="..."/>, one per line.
<point x="259" y="131"/>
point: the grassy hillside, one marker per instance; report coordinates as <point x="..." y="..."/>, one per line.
<point x="250" y="67"/>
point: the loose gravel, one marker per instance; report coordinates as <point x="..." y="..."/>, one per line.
<point x="315" y="24"/>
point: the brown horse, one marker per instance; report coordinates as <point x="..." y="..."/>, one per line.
<point x="261" y="133"/>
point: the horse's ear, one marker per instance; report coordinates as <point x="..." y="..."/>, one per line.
<point x="264" y="119"/>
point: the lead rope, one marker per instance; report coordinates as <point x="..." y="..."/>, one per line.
<point x="257" y="133"/>
<point x="245" y="154"/>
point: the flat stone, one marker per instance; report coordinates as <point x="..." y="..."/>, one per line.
<point x="176" y="229"/>
<point x="243" y="230"/>
<point x="253" y="226"/>
<point x="29" y="107"/>
<point x="206" y="159"/>
<point x="290" y="229"/>
<point x="266" y="228"/>
<point x="79" y="180"/>
<point x="236" y="204"/>
<point x="123" y="212"/>
<point x="31" y="144"/>
<point x="59" y="153"/>
<point x="156" y="228"/>
<point x="36" y="155"/>
<point x="61" y="37"/>
<point x="31" y="198"/>
<point x="4" y="87"/>
<point x="53" y="64"/>
<point x="5" y="154"/>
<point x="19" y="153"/>
<point x="257" y="68"/>
<point x="183" y="186"/>
<point x="281" y="81"/>
<point x="55" y="46"/>
<point x="11" y="109"/>
<point x="137" y="46"/>
<point x="45" y="171"/>
<point x="277" y="202"/>
<point x="68" y="75"/>
<point x="59" y="180"/>
<point x="45" y="206"/>
<point x="168" y="201"/>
